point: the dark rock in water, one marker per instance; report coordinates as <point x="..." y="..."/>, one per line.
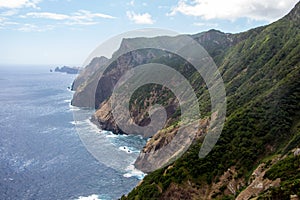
<point x="68" y="70"/>
<point x="51" y="70"/>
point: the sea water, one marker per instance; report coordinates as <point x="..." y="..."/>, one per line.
<point x="43" y="152"/>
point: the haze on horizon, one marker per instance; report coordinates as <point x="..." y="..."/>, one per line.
<point x="44" y="32"/>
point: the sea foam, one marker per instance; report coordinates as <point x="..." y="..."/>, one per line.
<point x="133" y="172"/>
<point x="91" y="197"/>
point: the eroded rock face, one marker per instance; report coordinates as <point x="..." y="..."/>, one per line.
<point x="167" y="145"/>
<point x="86" y="83"/>
<point x="88" y="71"/>
<point x="103" y="118"/>
<point x="93" y="91"/>
<point x="159" y="150"/>
<point x="258" y="183"/>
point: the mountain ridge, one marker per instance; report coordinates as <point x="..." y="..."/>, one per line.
<point x="261" y="71"/>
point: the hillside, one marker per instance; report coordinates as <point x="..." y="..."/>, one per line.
<point x="253" y="157"/>
<point x="86" y="82"/>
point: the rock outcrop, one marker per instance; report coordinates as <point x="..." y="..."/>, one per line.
<point x="258" y="183"/>
<point x="260" y="69"/>
<point x="68" y="70"/>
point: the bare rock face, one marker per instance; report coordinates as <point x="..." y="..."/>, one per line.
<point x="167" y="145"/>
<point x="258" y="183"/>
<point x="110" y="77"/>
<point x="294" y="14"/>
<point x="94" y="90"/>
<point x="103" y="118"/>
<point x="95" y="84"/>
<point x="86" y="83"/>
<point x="88" y="71"/>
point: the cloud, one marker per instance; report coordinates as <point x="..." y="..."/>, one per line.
<point x="145" y="18"/>
<point x="81" y="17"/>
<point x="267" y="10"/>
<point x="18" y="3"/>
<point x="84" y="14"/>
<point x="131" y="3"/>
<point x="47" y="15"/>
<point x="85" y="23"/>
<point x="9" y="13"/>
<point x="4" y="22"/>
<point x="35" y="28"/>
<point x="205" y="24"/>
<point x="2" y="19"/>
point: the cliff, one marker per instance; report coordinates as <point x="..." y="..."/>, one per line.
<point x="86" y="83"/>
<point x="261" y="70"/>
<point x="68" y="70"/>
<point x="88" y="72"/>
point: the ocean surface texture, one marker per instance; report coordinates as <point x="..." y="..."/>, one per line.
<point x="42" y="155"/>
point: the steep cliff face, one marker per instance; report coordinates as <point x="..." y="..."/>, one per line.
<point x="152" y="156"/>
<point x="88" y="72"/>
<point x="152" y="94"/>
<point x="261" y="70"/>
<point x="86" y="82"/>
<point x="117" y="68"/>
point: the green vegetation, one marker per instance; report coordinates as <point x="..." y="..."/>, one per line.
<point x="261" y="70"/>
<point x="288" y="170"/>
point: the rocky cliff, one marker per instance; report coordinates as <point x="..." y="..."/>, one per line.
<point x="86" y="83"/>
<point x="253" y="157"/>
<point x="88" y="72"/>
<point x="68" y="70"/>
<point x="261" y="70"/>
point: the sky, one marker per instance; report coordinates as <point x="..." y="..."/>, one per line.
<point x="65" y="32"/>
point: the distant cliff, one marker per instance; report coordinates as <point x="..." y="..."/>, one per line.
<point x="86" y="82"/>
<point x="68" y="70"/>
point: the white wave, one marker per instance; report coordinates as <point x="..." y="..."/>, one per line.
<point x="8" y="179"/>
<point x="74" y="108"/>
<point x="91" y="197"/>
<point x="28" y="163"/>
<point x="73" y="122"/>
<point x="133" y="172"/>
<point x="92" y="125"/>
<point x="20" y="164"/>
<point x="104" y="144"/>
<point x="111" y="136"/>
<point x="86" y="124"/>
<point x="49" y="130"/>
<point x="69" y="89"/>
<point x="67" y="100"/>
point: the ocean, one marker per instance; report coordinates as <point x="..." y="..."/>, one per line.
<point x="50" y="149"/>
